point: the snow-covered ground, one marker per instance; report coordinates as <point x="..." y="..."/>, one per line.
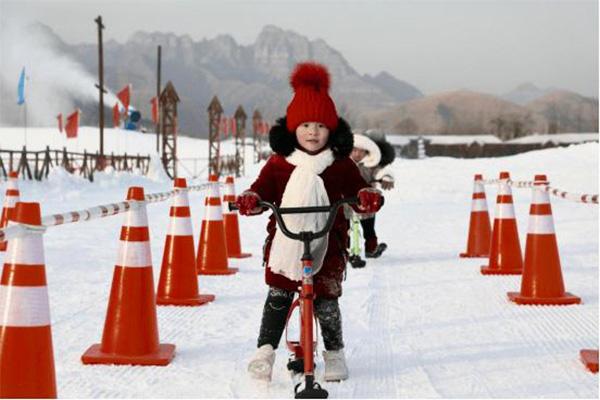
<point x="418" y="322"/>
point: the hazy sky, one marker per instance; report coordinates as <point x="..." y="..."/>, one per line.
<point x="484" y="45"/>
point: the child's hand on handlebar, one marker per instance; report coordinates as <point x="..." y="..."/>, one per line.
<point x="247" y="203"/>
<point x="369" y="200"/>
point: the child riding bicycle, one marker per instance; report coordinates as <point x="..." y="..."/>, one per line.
<point x="310" y="167"/>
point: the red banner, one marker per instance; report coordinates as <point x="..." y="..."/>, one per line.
<point x="125" y="96"/>
<point x="233" y="127"/>
<point x="116" y="116"/>
<point x="72" y="125"/>
<point x="223" y="126"/>
<point x="60" y="122"/>
<point x="154" y="105"/>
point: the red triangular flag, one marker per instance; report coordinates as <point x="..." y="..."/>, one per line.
<point x="154" y="103"/>
<point x="125" y="96"/>
<point x="60" y="122"/>
<point x="72" y="124"/>
<point x="116" y="116"/>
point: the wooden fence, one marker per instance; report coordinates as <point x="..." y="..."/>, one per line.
<point x="37" y="164"/>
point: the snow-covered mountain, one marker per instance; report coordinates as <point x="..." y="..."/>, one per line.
<point x="255" y="76"/>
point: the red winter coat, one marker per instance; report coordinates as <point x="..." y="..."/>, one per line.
<point x="341" y="179"/>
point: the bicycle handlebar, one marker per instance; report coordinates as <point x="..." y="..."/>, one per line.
<point x="279" y="211"/>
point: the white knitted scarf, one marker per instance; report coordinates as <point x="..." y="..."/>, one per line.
<point x="305" y="188"/>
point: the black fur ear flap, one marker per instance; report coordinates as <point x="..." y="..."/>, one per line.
<point x="282" y="141"/>
<point x="388" y="153"/>
<point x="341" y="141"/>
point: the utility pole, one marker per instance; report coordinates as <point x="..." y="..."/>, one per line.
<point x="158" y="99"/>
<point x="100" y="87"/>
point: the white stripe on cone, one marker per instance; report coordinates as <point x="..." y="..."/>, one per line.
<point x="134" y="254"/>
<point x="478" y="187"/>
<point x="24" y="306"/>
<point x="28" y="250"/>
<point x="213" y="213"/>
<point x="540" y="224"/>
<point x="229" y="190"/>
<point x="11" y="201"/>
<point x="505" y="211"/>
<point x="504" y="189"/>
<point x="12" y="184"/>
<point x="181" y="200"/>
<point x="479" y="205"/>
<point x="214" y="191"/>
<point x="180" y="226"/>
<point x="540" y="197"/>
<point x="136" y="218"/>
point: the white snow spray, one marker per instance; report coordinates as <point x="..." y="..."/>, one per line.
<point x="54" y="79"/>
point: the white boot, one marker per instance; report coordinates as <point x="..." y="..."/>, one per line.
<point x="261" y="365"/>
<point x="335" y="365"/>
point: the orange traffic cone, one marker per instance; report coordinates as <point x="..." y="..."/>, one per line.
<point x="505" y="255"/>
<point x="26" y="356"/>
<point x="130" y="330"/>
<point x="478" y="244"/>
<point x="590" y="359"/>
<point x="178" y="283"/>
<point x="542" y="281"/>
<point x="212" y="249"/>
<point x="230" y="221"/>
<point x="10" y="200"/>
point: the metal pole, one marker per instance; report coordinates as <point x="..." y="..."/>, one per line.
<point x="101" y="83"/>
<point x="157" y="99"/>
<point x="25" y="110"/>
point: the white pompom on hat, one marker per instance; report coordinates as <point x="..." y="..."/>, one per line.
<point x="374" y="154"/>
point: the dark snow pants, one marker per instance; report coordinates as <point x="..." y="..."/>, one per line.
<point x="368" y="226"/>
<point x="275" y="313"/>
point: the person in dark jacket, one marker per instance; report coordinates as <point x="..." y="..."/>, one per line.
<point x="310" y="167"/>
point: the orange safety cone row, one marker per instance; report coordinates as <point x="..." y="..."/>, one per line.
<point x="130" y="331"/>
<point x="505" y="253"/>
<point x="478" y="243"/>
<point x="178" y="283"/>
<point x="230" y="221"/>
<point x="26" y="355"/>
<point x="542" y="281"/>
<point x="10" y="201"/>
<point x="590" y="359"/>
<point x="212" y="249"/>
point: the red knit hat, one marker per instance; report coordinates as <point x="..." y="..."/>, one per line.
<point x="311" y="102"/>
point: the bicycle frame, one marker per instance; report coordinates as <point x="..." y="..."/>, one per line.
<point x="311" y="389"/>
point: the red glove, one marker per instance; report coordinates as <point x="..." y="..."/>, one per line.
<point x="369" y="200"/>
<point x="247" y="203"/>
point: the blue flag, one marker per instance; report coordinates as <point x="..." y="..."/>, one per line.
<point x="21" y="88"/>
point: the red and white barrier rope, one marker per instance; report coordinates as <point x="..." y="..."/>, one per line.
<point x="579" y="198"/>
<point x="87" y="214"/>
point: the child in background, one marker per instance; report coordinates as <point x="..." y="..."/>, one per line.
<point x="310" y="167"/>
<point x="373" y="153"/>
